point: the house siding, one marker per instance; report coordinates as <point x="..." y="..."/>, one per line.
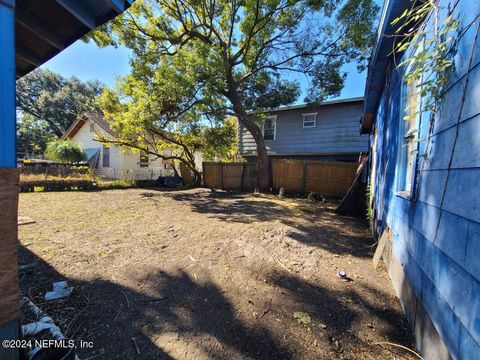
<point x="336" y="132"/>
<point x="124" y="164"/>
<point x="435" y="241"/>
<point x="85" y="139"/>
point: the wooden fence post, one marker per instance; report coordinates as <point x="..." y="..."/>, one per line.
<point x="243" y="176"/>
<point x="304" y="175"/>
<point x="221" y="176"/>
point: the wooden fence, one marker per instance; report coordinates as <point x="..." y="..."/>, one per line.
<point x="295" y="176"/>
<point x="229" y="176"/>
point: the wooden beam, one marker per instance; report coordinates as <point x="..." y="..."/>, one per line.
<point x="39" y="29"/>
<point x="9" y="297"/>
<point x="28" y="56"/>
<point x="81" y="14"/>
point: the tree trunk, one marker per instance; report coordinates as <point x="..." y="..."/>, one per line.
<point x="263" y="168"/>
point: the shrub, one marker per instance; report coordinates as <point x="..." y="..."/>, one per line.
<point x="65" y="151"/>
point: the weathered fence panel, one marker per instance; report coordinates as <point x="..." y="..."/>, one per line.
<point x="295" y="176"/>
<point x="288" y="174"/>
<point x="331" y="178"/>
<point x="228" y="176"/>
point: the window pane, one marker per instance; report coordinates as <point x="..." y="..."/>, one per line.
<point x="268" y="134"/>
<point x="269" y="129"/>
<point x="309" y="120"/>
<point x="143" y="160"/>
<point x="408" y="135"/>
<point x="106" y="156"/>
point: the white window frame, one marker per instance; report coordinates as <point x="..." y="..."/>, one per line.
<point x="143" y="164"/>
<point x="406" y="177"/>
<point x="274" y="118"/>
<point x="314" y="120"/>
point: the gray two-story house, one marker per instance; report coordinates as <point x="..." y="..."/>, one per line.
<point x="328" y="131"/>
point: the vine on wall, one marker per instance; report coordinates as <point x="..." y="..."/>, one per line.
<point x="426" y="42"/>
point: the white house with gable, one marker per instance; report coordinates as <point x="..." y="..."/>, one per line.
<point x="113" y="162"/>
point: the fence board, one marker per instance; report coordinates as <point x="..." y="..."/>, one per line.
<point x="228" y="176"/>
<point x="298" y="176"/>
<point x="212" y="175"/>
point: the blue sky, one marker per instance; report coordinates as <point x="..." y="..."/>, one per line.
<point x="88" y="62"/>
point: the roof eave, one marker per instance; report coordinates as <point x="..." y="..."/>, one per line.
<point x="380" y="59"/>
<point x="304" y="106"/>
<point x="40" y="36"/>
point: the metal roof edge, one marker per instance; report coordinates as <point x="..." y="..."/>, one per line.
<point x="303" y="106"/>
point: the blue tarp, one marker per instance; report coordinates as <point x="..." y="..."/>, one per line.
<point x="92" y="157"/>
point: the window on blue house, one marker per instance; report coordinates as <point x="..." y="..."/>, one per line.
<point x="408" y="141"/>
<point x="269" y="128"/>
<point x="309" y="120"/>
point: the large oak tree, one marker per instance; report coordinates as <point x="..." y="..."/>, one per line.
<point x="244" y="51"/>
<point x="48" y="104"/>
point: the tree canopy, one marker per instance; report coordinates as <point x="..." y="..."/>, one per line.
<point x="228" y="57"/>
<point x="49" y="103"/>
<point x="156" y="115"/>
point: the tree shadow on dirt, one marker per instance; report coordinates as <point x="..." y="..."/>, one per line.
<point x="336" y="239"/>
<point x="190" y="319"/>
<point x="322" y="228"/>
<point x="338" y="312"/>
<point x="230" y="206"/>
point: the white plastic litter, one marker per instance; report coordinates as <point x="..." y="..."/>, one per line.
<point x="60" y="290"/>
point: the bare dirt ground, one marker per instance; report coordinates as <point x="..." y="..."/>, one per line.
<point x="196" y="274"/>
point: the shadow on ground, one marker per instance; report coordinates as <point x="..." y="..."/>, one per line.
<point x="173" y="316"/>
<point x="322" y="227"/>
<point x="111" y="315"/>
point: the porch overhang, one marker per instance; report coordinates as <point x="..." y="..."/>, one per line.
<point x="44" y="28"/>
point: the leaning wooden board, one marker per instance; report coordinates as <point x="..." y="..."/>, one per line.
<point x="381" y="245"/>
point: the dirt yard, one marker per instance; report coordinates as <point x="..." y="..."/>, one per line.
<point x="197" y="274"/>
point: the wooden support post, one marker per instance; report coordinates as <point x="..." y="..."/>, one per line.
<point x="9" y="292"/>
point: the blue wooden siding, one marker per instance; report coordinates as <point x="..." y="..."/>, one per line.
<point x="336" y="132"/>
<point x="7" y="85"/>
<point x="438" y="244"/>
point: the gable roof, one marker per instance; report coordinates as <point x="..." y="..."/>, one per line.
<point x="96" y="117"/>
<point x="380" y="58"/>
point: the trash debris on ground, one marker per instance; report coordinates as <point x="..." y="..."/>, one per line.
<point x="302" y="318"/>
<point x="44" y="329"/>
<point x="25" y="220"/>
<point x="344" y="276"/>
<point x="60" y="290"/>
<point x="26" y="267"/>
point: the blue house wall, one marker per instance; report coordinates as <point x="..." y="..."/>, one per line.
<point x="335" y="132"/>
<point x="433" y="254"/>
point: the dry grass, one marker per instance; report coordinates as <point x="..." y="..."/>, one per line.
<point x="200" y="275"/>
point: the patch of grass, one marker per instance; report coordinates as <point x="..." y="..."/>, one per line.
<point x="114" y="184"/>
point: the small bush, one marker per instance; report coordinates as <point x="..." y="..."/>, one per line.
<point x="65" y="151"/>
<point x="115" y="184"/>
